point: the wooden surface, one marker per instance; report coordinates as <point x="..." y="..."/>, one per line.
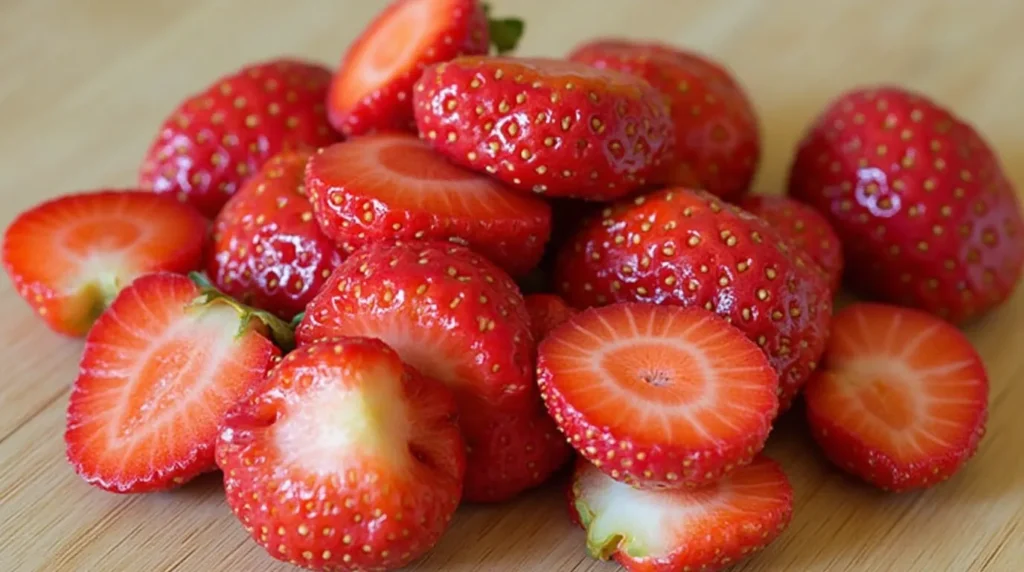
<point x="83" y="85"/>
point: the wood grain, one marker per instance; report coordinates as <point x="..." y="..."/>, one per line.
<point x="83" y="86"/>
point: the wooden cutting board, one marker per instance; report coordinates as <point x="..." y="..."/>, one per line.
<point x="83" y="86"/>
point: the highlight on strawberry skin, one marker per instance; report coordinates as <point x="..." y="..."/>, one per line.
<point x="901" y="399"/>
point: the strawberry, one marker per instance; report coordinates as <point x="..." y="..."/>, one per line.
<point x="678" y="246"/>
<point x="717" y="133"/>
<point x="557" y="128"/>
<point x="393" y="186"/>
<point x="68" y="257"/>
<point x="658" y="396"/>
<point x="927" y="217"/>
<point x="547" y="311"/>
<point x="160" y="369"/>
<point x="372" y="89"/>
<point x="901" y="399"/>
<point x="805" y="228"/>
<point x="446" y="310"/>
<point x="709" y="529"/>
<point x="219" y="137"/>
<point x="267" y="249"/>
<point x="344" y="459"/>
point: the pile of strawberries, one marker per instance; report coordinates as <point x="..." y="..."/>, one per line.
<point x="317" y="288"/>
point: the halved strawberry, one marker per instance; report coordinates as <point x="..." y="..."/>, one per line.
<point x="68" y="257"/>
<point x="658" y="396"/>
<point x="160" y="369"/>
<point x="901" y="399"/>
<point x="547" y="312"/>
<point x="707" y="529"/>
<point x="372" y="89"/>
<point x="344" y="459"/>
<point x="393" y="186"/>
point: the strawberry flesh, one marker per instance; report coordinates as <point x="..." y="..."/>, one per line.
<point x="901" y="400"/>
<point x="69" y="257"/>
<point x="393" y="186"/>
<point x="159" y="371"/>
<point x="658" y="396"/>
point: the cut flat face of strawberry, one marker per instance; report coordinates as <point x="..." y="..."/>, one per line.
<point x="707" y="529"/>
<point x="160" y="369"/>
<point x="394" y="187"/>
<point x="68" y="257"/>
<point x="658" y="396"/>
<point x="344" y="459"/>
<point x="901" y="400"/>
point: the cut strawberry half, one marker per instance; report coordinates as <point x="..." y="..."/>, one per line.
<point x="68" y="257"/>
<point x="393" y="186"/>
<point x="160" y="369"/>
<point x="901" y="400"/>
<point x="706" y="529"/>
<point x="658" y="396"/>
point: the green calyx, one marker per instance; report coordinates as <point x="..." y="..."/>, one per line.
<point x="281" y="333"/>
<point x="504" y="32"/>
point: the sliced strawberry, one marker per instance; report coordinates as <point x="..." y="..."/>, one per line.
<point x="393" y="186"/>
<point x="707" y="529"/>
<point x="68" y="257"/>
<point x="344" y="459"/>
<point x="901" y="400"/>
<point x="658" y="396"/>
<point x="547" y="312"/>
<point x="160" y="369"/>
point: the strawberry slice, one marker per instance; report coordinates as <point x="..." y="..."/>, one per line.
<point x="658" y="396"/>
<point x="372" y="89"/>
<point x="393" y="186"/>
<point x="160" y="369"/>
<point x="707" y="529"/>
<point x="901" y="400"/>
<point x="547" y="312"/>
<point x="344" y="459"/>
<point x="69" y="256"/>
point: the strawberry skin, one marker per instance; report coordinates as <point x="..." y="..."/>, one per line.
<point x="557" y="128"/>
<point x="394" y="187"/>
<point x="927" y="216"/>
<point x="547" y="311"/>
<point x="805" y="228"/>
<point x="709" y="529"/>
<point x="68" y="257"/>
<point x="718" y="140"/>
<point x="684" y="247"/>
<point x="218" y="138"/>
<point x="268" y="250"/>
<point x="344" y="459"/>
<point x="160" y="369"/>
<point x="901" y="400"/>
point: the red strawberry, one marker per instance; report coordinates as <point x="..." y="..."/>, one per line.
<point x="677" y="246"/>
<point x="267" y="249"/>
<point x="344" y="459"/>
<point x="546" y="126"/>
<point x="68" y="257"/>
<point x="718" y="140"/>
<point x="804" y="228"/>
<point x="902" y="397"/>
<point x="383" y="187"/>
<point x="160" y="369"/>
<point x="372" y="89"/>
<point x="219" y="137"/>
<point x="658" y="396"/>
<point x="927" y="217"/>
<point x="446" y="310"/>
<point x="547" y="311"/>
<point x="709" y="529"/>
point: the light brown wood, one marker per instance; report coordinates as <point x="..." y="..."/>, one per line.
<point x="83" y="86"/>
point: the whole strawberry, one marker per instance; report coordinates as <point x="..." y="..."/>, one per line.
<point x="267" y="248"/>
<point x="557" y="128"/>
<point x="718" y="140"/>
<point x="677" y="246"/>
<point x="221" y="136"/>
<point x="927" y="217"/>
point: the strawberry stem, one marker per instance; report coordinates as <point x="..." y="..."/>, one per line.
<point x="281" y="332"/>
<point x="504" y="32"/>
